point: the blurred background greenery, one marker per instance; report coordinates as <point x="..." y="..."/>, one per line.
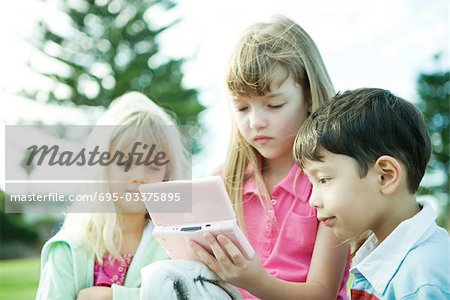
<point x="112" y="47"/>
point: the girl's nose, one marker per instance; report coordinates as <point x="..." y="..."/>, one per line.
<point x="257" y="120"/>
<point x="137" y="175"/>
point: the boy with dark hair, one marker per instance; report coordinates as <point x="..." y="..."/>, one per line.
<point x="365" y="152"/>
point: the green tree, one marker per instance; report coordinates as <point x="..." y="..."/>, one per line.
<point x="13" y="229"/>
<point x="107" y="48"/>
<point x="434" y="91"/>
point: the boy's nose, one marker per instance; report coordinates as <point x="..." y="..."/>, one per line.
<point x="314" y="201"/>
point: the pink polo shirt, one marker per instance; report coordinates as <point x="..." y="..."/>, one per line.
<point x="285" y="248"/>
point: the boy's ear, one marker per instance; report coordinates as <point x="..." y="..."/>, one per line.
<point x="390" y="173"/>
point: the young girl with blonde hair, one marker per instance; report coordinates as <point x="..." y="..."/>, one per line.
<point x="98" y="255"/>
<point x="276" y="78"/>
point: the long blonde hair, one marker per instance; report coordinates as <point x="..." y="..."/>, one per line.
<point x="263" y="48"/>
<point x="100" y="232"/>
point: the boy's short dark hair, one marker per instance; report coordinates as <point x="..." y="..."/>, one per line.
<point x="366" y="124"/>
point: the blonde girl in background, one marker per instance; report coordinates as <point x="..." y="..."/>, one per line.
<point x="99" y="255"/>
<point x="276" y="78"/>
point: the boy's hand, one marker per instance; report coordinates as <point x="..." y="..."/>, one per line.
<point x="96" y="293"/>
<point x="229" y="263"/>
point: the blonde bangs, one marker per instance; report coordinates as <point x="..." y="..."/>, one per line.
<point x="251" y="70"/>
<point x="263" y="48"/>
<point x="127" y="136"/>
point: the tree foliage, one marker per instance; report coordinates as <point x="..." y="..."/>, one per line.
<point x="107" y="48"/>
<point x="13" y="227"/>
<point x="434" y="91"/>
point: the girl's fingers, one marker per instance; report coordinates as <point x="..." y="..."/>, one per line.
<point x="204" y="256"/>
<point x="219" y="253"/>
<point x="233" y="251"/>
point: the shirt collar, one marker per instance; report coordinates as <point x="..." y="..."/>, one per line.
<point x="379" y="263"/>
<point x="296" y="183"/>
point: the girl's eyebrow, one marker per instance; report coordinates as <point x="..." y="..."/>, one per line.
<point x="237" y="101"/>
<point x="273" y="95"/>
<point x="269" y="95"/>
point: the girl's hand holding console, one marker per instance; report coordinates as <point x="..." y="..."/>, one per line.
<point x="230" y="263"/>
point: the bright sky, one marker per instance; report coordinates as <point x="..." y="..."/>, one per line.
<point x="363" y="43"/>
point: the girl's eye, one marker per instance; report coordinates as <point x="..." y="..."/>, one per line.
<point x="276" y="106"/>
<point x="244" y="108"/>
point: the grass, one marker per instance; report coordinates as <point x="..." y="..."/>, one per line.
<point x="19" y="278"/>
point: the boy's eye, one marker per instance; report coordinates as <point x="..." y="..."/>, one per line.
<point x="323" y="180"/>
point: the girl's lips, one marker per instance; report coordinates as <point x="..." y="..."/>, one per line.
<point x="262" y="139"/>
